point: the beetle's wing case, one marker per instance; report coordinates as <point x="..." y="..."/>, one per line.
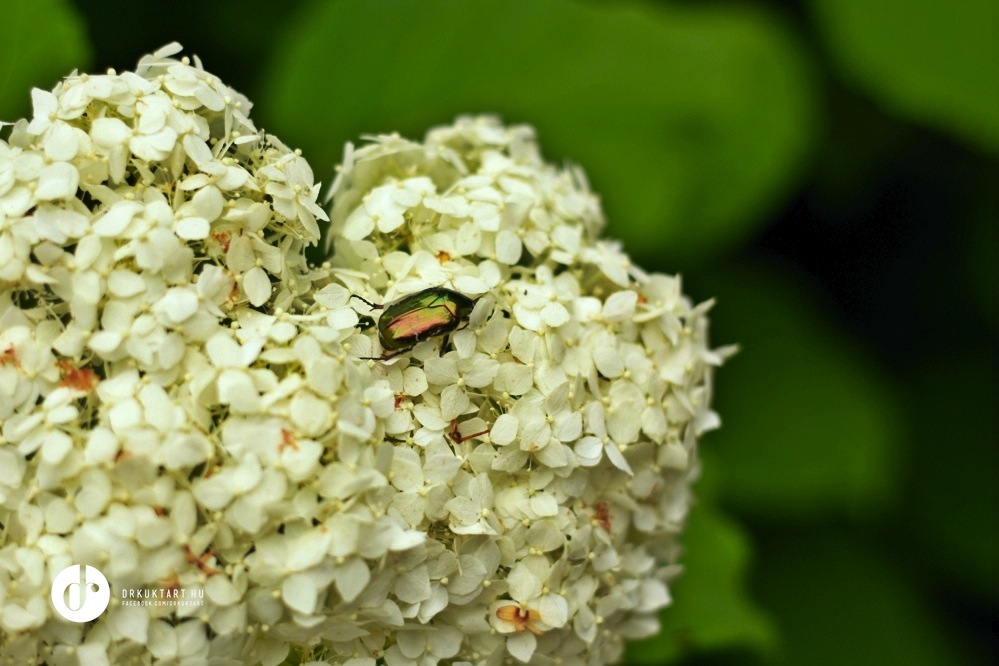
<point x="422" y="315"/>
<point x="415" y="325"/>
<point x="416" y="317"/>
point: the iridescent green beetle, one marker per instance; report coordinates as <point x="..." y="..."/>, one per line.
<point x="418" y="317"/>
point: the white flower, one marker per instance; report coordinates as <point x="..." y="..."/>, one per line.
<point x="186" y="402"/>
<point x="587" y="376"/>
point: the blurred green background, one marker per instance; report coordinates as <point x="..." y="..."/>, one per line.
<point x="826" y="168"/>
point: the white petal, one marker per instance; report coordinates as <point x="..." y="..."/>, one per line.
<point x="514" y="378"/>
<point x="608" y="361"/>
<point x="414" y="585"/>
<point x="193" y="228"/>
<point x="527" y="317"/>
<point x="117" y="218"/>
<point x="212" y="493"/>
<point x="130" y="622"/>
<point x="43" y="104"/>
<point x="220" y="591"/>
<point x="504" y="430"/>
<point x="554" y="610"/>
<point x="153" y="147"/>
<point x="197" y="150"/>
<point x="414" y="381"/>
<point x="620" y="305"/>
<point x="105" y="342"/>
<point x="407" y="470"/>
<point x="57" y="181"/>
<point x="352" y="578"/>
<point x="257" y="286"/>
<point x="94" y="495"/>
<point x="555" y="455"/>
<point x="359" y="225"/>
<point x="508" y="247"/>
<point x="654" y="423"/>
<point x="162" y="640"/>
<point x="469" y="285"/>
<point x="125" y="416"/>
<point x="233" y="178"/>
<point x="454" y="402"/>
<point x="15" y="619"/>
<point x="522" y="645"/>
<point x="544" y="505"/>
<point x="60" y="142"/>
<point x="224" y="351"/>
<point x="92" y="654"/>
<point x="468" y="239"/>
<point x="240" y="256"/>
<point x="342" y="319"/>
<point x="310" y="414"/>
<point x="440" y="371"/>
<point x="176" y="306"/>
<point x="236" y="389"/>
<point x="554" y="315"/>
<point x="617" y="458"/>
<point x="109" y="132"/>
<point x="332" y="296"/>
<point x="299" y="593"/>
<point x="568" y="427"/>
<point x="124" y="283"/>
<point x="208" y="203"/>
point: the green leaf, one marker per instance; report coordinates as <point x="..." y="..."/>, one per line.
<point x="840" y="602"/>
<point x="233" y="45"/>
<point x="809" y="420"/>
<point x="950" y="503"/>
<point x="44" y="42"/>
<point x="712" y="610"/>
<point x="981" y="248"/>
<point x="933" y="62"/>
<point x="690" y="121"/>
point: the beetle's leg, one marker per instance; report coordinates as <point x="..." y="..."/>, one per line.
<point x="374" y="306"/>
<point x="385" y="357"/>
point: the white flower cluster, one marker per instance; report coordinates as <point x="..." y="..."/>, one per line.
<point x="185" y="403"/>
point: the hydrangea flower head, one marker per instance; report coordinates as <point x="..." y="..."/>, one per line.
<point x="185" y="402"/>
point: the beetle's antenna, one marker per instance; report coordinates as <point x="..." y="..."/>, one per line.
<point x="374" y="306"/>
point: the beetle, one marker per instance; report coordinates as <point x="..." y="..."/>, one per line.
<point x="417" y="317"/>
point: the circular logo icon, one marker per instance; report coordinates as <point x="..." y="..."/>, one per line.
<point x="80" y="593"/>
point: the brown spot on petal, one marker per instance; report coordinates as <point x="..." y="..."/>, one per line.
<point x="201" y="561"/>
<point x="287" y="441"/>
<point x="9" y="357"/>
<point x="602" y="516"/>
<point x="78" y="379"/>
<point x="223" y="238"/>
<point x="521" y="618"/>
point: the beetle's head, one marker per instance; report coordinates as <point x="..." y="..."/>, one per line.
<point x="464" y="307"/>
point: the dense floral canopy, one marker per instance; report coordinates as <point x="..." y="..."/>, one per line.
<point x="186" y="402"/>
